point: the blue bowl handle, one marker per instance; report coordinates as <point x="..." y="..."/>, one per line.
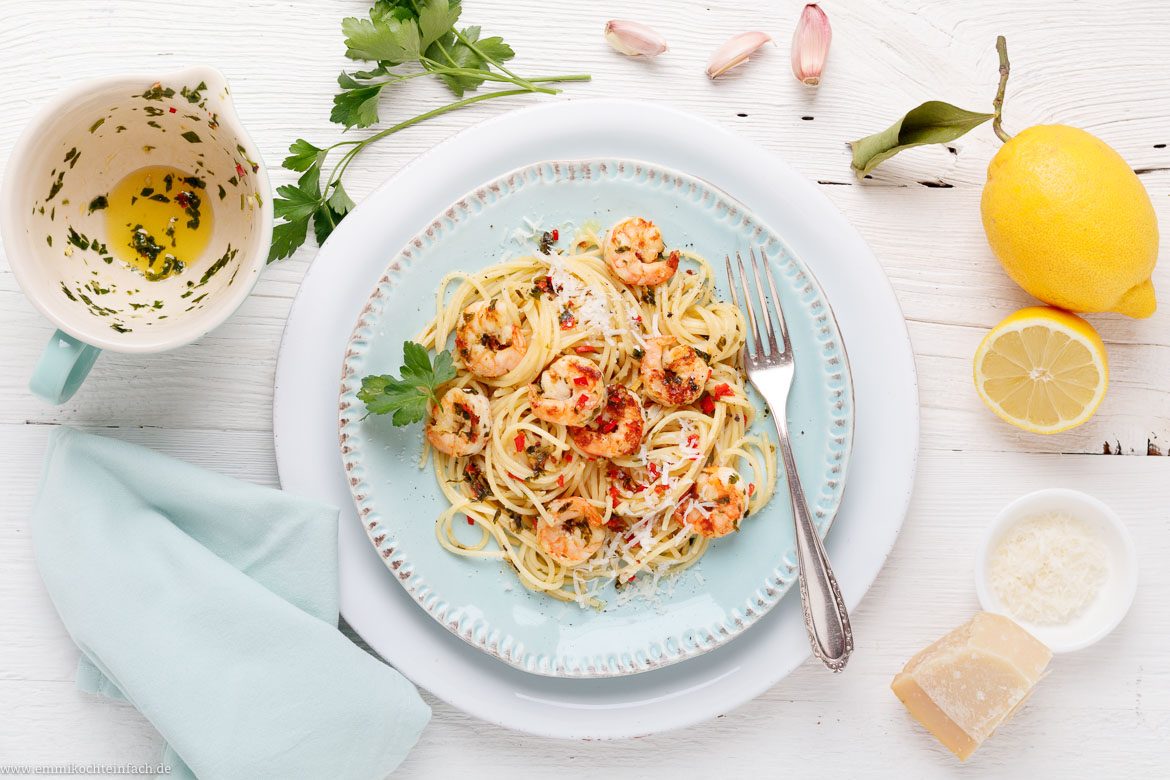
<point x="62" y="368"/>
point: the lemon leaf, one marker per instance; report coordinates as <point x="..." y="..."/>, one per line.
<point x="933" y="122"/>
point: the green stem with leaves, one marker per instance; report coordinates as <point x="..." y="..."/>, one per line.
<point x="396" y="33"/>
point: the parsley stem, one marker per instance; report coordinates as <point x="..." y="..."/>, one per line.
<point x="439" y="69"/>
<point x="443" y="70"/>
<point x="361" y="144"/>
<point x="395" y="78"/>
<point x="566" y="77"/>
<point x="434" y="112"/>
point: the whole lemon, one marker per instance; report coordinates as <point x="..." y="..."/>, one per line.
<point x="1071" y="223"/>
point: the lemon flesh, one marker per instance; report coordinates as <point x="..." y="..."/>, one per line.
<point x="1042" y="370"/>
<point x="1071" y="222"/>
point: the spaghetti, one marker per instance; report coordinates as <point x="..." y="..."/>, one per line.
<point x="628" y="399"/>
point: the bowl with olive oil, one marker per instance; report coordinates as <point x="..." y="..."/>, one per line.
<point x="135" y="216"/>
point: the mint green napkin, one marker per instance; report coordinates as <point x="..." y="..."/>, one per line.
<point x="211" y="605"/>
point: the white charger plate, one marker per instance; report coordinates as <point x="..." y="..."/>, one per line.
<point x="885" y="442"/>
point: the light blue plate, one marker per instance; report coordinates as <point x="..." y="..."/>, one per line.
<point x="740" y="577"/>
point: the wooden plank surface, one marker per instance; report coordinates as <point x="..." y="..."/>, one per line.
<point x="1105" y="69"/>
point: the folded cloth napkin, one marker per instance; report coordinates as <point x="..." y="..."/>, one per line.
<point x="211" y="605"/>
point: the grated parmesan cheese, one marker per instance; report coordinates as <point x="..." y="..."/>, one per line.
<point x="1047" y="569"/>
<point x="592" y="311"/>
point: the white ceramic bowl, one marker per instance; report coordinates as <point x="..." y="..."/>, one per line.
<point x="1117" y="592"/>
<point x="78" y="147"/>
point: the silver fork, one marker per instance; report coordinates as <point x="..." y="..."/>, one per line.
<point x="771" y="369"/>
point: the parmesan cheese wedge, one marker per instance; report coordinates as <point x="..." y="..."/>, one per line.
<point x="968" y="683"/>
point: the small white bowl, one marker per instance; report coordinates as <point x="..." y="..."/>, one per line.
<point x="1117" y="592"/>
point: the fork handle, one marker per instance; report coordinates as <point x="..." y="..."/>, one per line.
<point x="825" y="615"/>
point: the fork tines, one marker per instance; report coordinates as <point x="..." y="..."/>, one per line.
<point x="771" y="310"/>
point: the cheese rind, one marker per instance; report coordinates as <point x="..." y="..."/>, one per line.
<point x="969" y="682"/>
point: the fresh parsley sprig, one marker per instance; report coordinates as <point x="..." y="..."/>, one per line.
<point x="418" y="34"/>
<point x="407" y="397"/>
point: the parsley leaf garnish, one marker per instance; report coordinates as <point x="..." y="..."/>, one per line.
<point x="404" y="39"/>
<point x="302" y="155"/>
<point x="407" y="397"/>
<point x="356" y="107"/>
<point x="287" y="236"/>
<point x="385" y="39"/>
<point x="294" y="203"/>
<point x="467" y="52"/>
<point x="339" y="201"/>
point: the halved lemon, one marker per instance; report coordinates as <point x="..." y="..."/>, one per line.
<point x="1042" y="369"/>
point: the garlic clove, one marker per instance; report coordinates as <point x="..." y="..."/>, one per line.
<point x="736" y="51"/>
<point x="810" y="45"/>
<point x="634" y="39"/>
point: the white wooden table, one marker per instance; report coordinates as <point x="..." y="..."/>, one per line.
<point x="1102" y="712"/>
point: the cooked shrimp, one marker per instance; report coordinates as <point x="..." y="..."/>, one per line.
<point x="617" y="430"/>
<point x="716" y="505"/>
<point x="673" y="374"/>
<point x="633" y="250"/>
<point x="577" y="533"/>
<point x="570" y="391"/>
<point x="461" y="423"/>
<point x="488" y="342"/>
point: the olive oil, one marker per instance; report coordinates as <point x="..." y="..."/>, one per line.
<point x="158" y="220"/>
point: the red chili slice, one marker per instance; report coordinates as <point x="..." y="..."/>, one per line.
<point x="519" y="441"/>
<point x="470" y="521"/>
<point x="556" y="235"/>
<point x="560" y="480"/>
<point x="580" y="381"/>
<point x="707" y="404"/>
<point x="586" y="349"/>
<point x="724" y="390"/>
<point x="751" y="488"/>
